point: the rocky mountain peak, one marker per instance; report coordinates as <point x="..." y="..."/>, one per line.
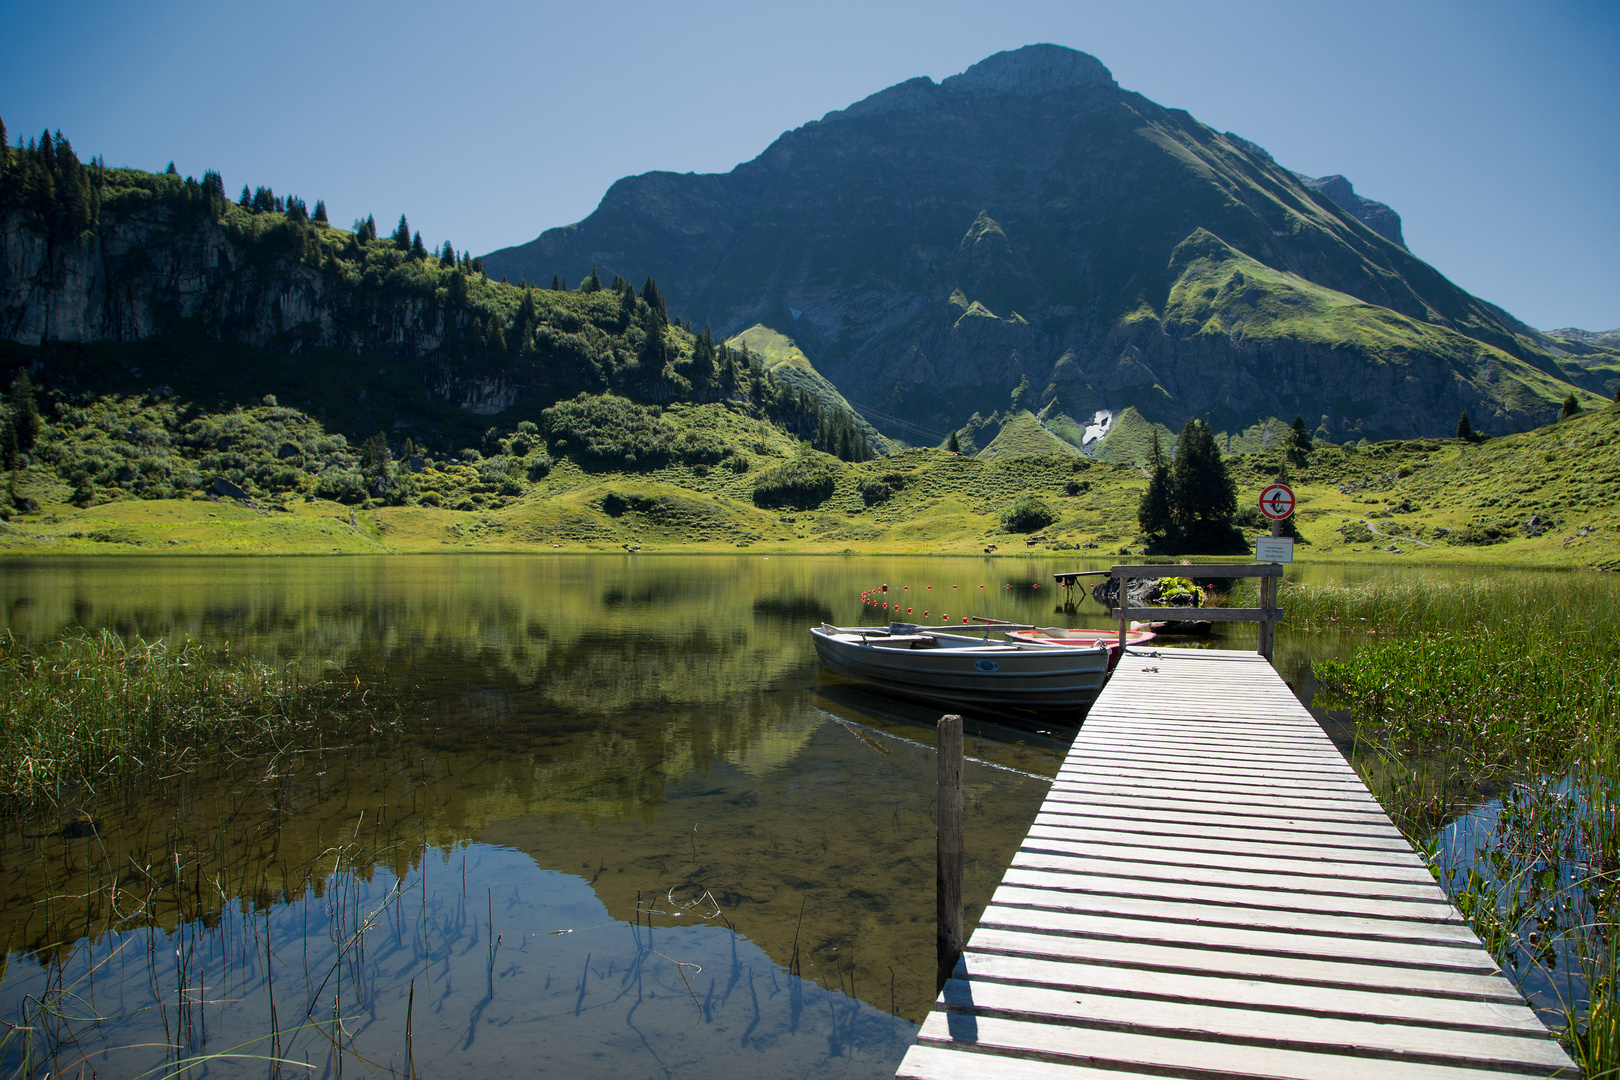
<point x="1377" y="216"/>
<point x="1029" y="71"/>
<point x="1033" y="69"/>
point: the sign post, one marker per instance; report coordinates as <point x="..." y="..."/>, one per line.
<point x="1277" y="503"/>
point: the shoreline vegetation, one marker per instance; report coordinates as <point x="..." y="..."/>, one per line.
<point x="122" y="475"/>
<point x="92" y="709"/>
<point x="1488" y="727"/>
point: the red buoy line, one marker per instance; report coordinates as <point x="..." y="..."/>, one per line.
<point x="881" y="600"/>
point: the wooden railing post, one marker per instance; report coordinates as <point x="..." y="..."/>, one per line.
<point x="1124" y="612"/>
<point x="949" y="847"/>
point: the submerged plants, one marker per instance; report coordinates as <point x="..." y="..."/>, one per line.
<point x="88" y="708"/>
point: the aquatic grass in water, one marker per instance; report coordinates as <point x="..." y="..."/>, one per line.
<point x="1488" y="725"/>
<point x="91" y="707"/>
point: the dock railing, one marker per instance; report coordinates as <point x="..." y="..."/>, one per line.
<point x="1267" y="614"/>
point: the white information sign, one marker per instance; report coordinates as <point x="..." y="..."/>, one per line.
<point x="1274" y="549"/>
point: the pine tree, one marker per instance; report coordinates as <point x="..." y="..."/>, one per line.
<point x="246" y="201"/>
<point x="1465" y="430"/>
<point x="655" y="299"/>
<point x="24" y="411"/>
<point x="703" y="357"/>
<point x="418" y="249"/>
<point x="447" y="256"/>
<point x="171" y="170"/>
<point x="402" y="234"/>
<point x="593" y="283"/>
<point x="5" y="147"/>
<point x="1202" y="494"/>
<point x="1302" y="438"/>
<point x="1571" y="407"/>
<point x="953" y="444"/>
<point x="556" y="283"/>
<point x="320" y="211"/>
<point x="296" y="212"/>
<point x="1153" y="513"/>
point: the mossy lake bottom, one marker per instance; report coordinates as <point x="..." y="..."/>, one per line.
<point x="615" y="819"/>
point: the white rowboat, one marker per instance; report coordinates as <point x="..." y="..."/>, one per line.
<point x="958" y="669"/>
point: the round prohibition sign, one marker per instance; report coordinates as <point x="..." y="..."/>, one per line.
<point x="1277" y="501"/>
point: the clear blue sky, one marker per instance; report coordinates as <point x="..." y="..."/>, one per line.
<point x="1493" y="128"/>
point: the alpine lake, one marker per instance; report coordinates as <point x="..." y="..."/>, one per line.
<point x="615" y="820"/>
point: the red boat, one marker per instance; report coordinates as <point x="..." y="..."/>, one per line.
<point x="1072" y="638"/>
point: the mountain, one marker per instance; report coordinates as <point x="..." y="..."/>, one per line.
<point x="934" y="245"/>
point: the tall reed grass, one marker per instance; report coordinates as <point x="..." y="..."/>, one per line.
<point x="1495" y="706"/>
<point x="88" y="708"/>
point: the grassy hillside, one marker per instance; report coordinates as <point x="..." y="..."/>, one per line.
<point x="1022" y="435"/>
<point x="788" y="364"/>
<point x="1546" y="497"/>
<point x="1221" y="293"/>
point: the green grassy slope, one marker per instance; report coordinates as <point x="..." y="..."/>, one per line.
<point x="1130" y="439"/>
<point x="1220" y="292"/>
<point x="787" y="362"/>
<point x="1022" y="435"/>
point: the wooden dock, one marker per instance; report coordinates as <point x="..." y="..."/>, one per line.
<point x="1210" y="891"/>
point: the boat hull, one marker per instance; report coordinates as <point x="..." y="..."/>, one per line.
<point x="1034" y="677"/>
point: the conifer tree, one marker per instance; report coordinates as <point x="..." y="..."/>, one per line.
<point x="447" y="257"/>
<point x="556" y="283"/>
<point x="1465" y="430"/>
<point x="246" y="201"/>
<point x="418" y="249"/>
<point x="320" y="211"/>
<point x="1202" y="494"/>
<point x="296" y="211"/>
<point x="402" y="234"/>
<point x="5" y="147"/>
<point x="1153" y="513"/>
<point x="592" y="283"/>
<point x="47" y="152"/>
<point x="171" y="170"/>
<point x="654" y="299"/>
<point x="24" y="411"/>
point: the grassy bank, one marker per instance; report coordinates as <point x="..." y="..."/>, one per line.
<point x="1488" y="725"/>
<point x="87" y="710"/>
<point x="1549" y="497"/>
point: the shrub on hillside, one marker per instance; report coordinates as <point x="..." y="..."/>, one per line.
<point x="874" y="492"/>
<point x="611" y="432"/>
<point x="1027" y="514"/>
<point x="802" y="484"/>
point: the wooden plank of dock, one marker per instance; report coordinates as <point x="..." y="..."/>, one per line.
<point x="1210" y="891"/>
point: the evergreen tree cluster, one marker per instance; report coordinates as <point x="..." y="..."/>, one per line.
<point x="1191" y="500"/>
<point x="46" y="179"/>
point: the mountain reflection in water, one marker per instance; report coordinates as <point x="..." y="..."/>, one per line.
<point x="633" y="750"/>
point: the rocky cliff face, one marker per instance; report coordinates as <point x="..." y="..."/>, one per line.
<point x="141" y="270"/>
<point x="1375" y="215"/>
<point x="134" y="274"/>
<point x="933" y="245"/>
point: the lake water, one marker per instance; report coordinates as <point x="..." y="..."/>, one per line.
<point x="625" y="825"/>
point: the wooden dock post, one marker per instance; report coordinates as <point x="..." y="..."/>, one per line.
<point x="948" y="840"/>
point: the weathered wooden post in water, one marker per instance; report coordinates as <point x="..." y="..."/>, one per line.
<point x="948" y="840"/>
